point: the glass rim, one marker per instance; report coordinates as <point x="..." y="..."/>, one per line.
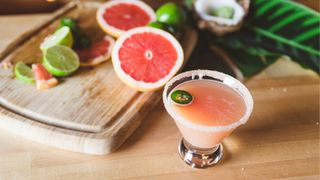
<point x="213" y="75"/>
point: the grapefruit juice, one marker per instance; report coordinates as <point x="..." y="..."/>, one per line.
<point x="214" y="104"/>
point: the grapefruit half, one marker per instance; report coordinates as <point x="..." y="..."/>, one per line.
<point x="97" y="53"/>
<point x="116" y="17"/>
<point x="145" y="58"/>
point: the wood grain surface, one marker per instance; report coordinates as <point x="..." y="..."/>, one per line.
<point x="91" y="112"/>
<point x="280" y="140"/>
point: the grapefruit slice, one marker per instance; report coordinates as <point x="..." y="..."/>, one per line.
<point x="44" y="80"/>
<point x="145" y="58"/>
<point x="116" y="17"/>
<point x="97" y="53"/>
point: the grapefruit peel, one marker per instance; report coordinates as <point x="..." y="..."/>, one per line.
<point x="99" y="59"/>
<point x="141" y="85"/>
<point x="113" y="31"/>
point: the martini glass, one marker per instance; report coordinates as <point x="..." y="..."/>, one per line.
<point x="220" y="103"/>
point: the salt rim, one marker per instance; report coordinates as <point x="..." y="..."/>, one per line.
<point x="109" y="4"/>
<point x="201" y="7"/>
<point x="227" y="80"/>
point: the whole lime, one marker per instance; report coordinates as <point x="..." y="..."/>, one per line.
<point x="158" y="25"/>
<point x="67" y="21"/>
<point x="170" y="14"/>
<point x="163" y="26"/>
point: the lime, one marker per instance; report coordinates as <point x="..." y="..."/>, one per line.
<point x="81" y="40"/>
<point x="181" y="97"/>
<point x="224" y="12"/>
<point x="69" y="22"/>
<point x="160" y="25"/>
<point x="170" y="14"/>
<point x="24" y="73"/>
<point x="62" y="36"/>
<point x="61" y="60"/>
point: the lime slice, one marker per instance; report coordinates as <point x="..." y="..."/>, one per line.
<point x="80" y="38"/>
<point x="24" y="73"/>
<point x="61" y="60"/>
<point x="62" y="36"/>
<point x="224" y="12"/>
<point x="181" y="97"/>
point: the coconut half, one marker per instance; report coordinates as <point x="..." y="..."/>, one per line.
<point x="219" y="25"/>
<point x="203" y="8"/>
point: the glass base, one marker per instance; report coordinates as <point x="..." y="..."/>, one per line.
<point x="199" y="157"/>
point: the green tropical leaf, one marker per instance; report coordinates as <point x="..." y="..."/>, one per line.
<point x="237" y="42"/>
<point x="274" y="28"/>
<point x="251" y="63"/>
<point x="250" y="59"/>
<point x="284" y="27"/>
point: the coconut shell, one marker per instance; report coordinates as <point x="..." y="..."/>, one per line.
<point x="219" y="29"/>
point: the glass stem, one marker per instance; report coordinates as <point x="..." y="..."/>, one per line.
<point x="198" y="150"/>
<point x="199" y="157"/>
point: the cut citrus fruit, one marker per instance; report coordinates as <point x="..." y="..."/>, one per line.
<point x="44" y="80"/>
<point x="24" y="73"/>
<point x="97" y="53"/>
<point x="145" y="58"/>
<point x="116" y="17"/>
<point x="62" y="36"/>
<point x="80" y="38"/>
<point x="61" y="60"/>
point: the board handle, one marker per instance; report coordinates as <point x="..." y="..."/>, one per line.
<point x="49" y="135"/>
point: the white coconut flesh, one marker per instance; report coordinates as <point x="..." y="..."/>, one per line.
<point x="204" y="7"/>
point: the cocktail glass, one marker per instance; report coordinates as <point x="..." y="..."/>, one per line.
<point x="201" y="145"/>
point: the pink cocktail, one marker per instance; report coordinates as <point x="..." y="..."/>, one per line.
<point x="219" y="104"/>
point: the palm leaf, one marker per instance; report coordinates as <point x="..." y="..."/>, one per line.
<point x="251" y="63"/>
<point x="274" y="28"/>
<point x="284" y="27"/>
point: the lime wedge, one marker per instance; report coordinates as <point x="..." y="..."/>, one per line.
<point x="61" y="60"/>
<point x="24" y="73"/>
<point x="224" y="12"/>
<point x="69" y="22"/>
<point x="62" y="36"/>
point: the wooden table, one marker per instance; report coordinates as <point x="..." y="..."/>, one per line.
<point x="281" y="139"/>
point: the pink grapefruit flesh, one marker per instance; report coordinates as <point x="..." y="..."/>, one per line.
<point x="147" y="61"/>
<point x="116" y="17"/>
<point x="40" y="72"/>
<point x="119" y="16"/>
<point x="146" y="58"/>
<point x="44" y="80"/>
<point x="97" y="53"/>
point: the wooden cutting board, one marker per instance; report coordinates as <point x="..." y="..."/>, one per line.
<point x="91" y="112"/>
